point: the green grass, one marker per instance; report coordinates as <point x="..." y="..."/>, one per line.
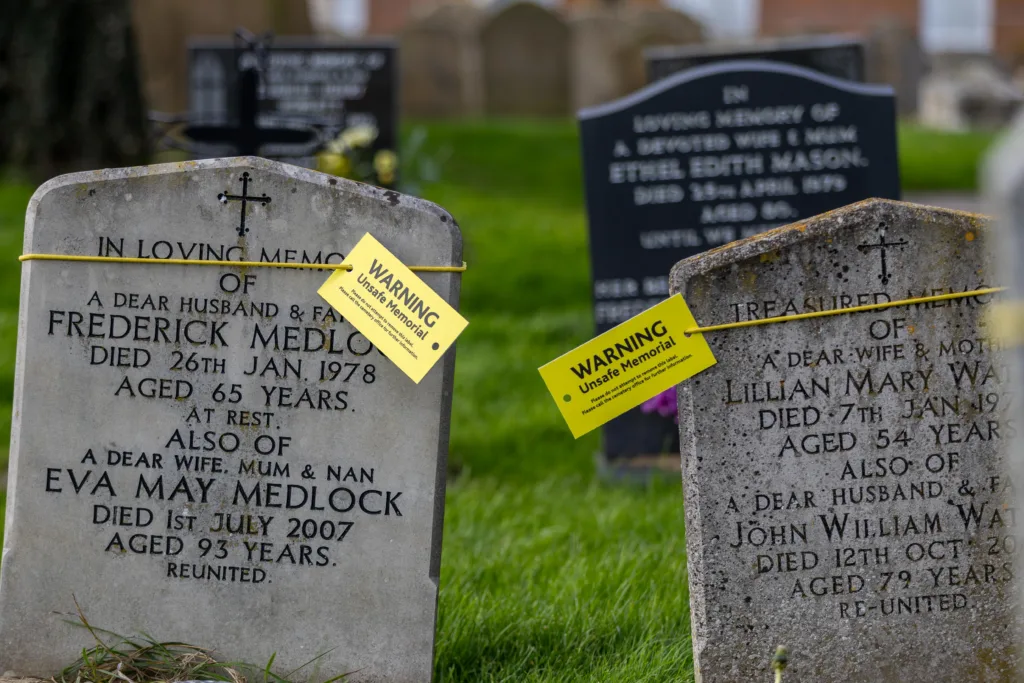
<point x="546" y="575"/>
<point x="933" y="161"/>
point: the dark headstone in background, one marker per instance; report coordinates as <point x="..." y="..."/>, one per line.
<point x="305" y="80"/>
<point x="709" y="156"/>
<point x="839" y="56"/>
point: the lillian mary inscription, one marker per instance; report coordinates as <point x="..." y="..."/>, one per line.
<point x="254" y="473"/>
<point x="845" y="489"/>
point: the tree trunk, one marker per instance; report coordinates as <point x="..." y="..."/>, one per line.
<point x="70" y="94"/>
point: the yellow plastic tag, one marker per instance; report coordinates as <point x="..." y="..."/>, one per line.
<point x="393" y="308"/>
<point x="627" y="365"/>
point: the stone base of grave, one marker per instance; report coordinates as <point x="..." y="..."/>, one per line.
<point x="7" y="679"/>
<point x="637" y="468"/>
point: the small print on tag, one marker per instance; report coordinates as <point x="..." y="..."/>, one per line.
<point x="393" y="308"/>
<point x="623" y="367"/>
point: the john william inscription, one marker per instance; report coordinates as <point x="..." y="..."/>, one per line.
<point x="845" y="486"/>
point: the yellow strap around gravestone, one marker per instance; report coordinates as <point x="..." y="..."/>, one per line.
<point x="241" y="264"/>
<point x="842" y="311"/>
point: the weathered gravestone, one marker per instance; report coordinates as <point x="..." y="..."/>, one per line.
<point x="838" y="56"/>
<point x="844" y="485"/>
<point x="526" y="62"/>
<point x="441" y="62"/>
<point x="708" y="156"/>
<point x="338" y="85"/>
<point x="1003" y="182"/>
<point x="208" y="454"/>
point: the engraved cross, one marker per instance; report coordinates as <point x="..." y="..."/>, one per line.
<point x="245" y="198"/>
<point x="881" y="245"/>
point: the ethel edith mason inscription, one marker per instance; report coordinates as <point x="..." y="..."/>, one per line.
<point x="845" y="490"/>
<point x="210" y="453"/>
<point x="711" y="155"/>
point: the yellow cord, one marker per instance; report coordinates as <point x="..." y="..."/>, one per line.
<point x="842" y="311"/>
<point x="240" y="264"/>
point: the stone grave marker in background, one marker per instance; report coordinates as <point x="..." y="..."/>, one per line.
<point x="1003" y="185"/>
<point x="526" y="52"/>
<point x="844" y="485"/>
<point x="894" y="56"/>
<point x="209" y="454"/>
<point x="441" y="63"/>
<point x="838" y="56"/>
<point x="708" y="156"/>
<point x="339" y="85"/>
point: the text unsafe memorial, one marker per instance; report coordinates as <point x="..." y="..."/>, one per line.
<point x="708" y="156"/>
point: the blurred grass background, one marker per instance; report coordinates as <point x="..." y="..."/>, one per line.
<point x="547" y="574"/>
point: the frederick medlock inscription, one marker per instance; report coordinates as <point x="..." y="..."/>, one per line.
<point x="845" y="489"/>
<point x="255" y="474"/>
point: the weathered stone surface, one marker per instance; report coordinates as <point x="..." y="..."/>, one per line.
<point x="526" y="60"/>
<point x="845" y="492"/>
<point x="285" y="488"/>
<point x="441" y="63"/>
<point x="894" y="57"/>
<point x="1003" y="185"/>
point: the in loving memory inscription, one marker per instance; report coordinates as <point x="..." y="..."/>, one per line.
<point x="711" y="155"/>
<point x="257" y="476"/>
<point x="845" y="492"/>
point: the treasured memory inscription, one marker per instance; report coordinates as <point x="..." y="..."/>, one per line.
<point x="711" y="155"/>
<point x="210" y="453"/>
<point x="845" y="491"/>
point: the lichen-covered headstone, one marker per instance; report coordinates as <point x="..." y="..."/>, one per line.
<point x="845" y="492"/>
<point x="210" y="454"/>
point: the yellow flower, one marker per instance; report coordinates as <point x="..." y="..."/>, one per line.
<point x="358" y="136"/>
<point x="335" y="164"/>
<point x="385" y="163"/>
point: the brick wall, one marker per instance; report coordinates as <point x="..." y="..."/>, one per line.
<point x="782" y="17"/>
<point x="1009" y="31"/>
<point x="387" y="17"/>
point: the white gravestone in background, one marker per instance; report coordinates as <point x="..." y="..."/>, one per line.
<point x="209" y="454"/>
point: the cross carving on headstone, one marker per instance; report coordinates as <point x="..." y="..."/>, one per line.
<point x="881" y="245"/>
<point x="245" y="198"/>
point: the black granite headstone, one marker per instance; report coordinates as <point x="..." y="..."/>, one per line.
<point x="333" y="85"/>
<point x="839" y="56"/>
<point x="708" y="156"/>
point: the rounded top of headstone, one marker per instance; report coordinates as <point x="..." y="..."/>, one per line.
<point x="717" y="69"/>
<point x="861" y="213"/>
<point x="90" y="182"/>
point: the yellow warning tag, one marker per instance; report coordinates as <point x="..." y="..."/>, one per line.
<point x="403" y="317"/>
<point x="627" y="365"/>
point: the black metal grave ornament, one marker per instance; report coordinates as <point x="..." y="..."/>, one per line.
<point x="244" y="135"/>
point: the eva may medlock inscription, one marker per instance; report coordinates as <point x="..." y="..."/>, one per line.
<point x="258" y="476"/>
<point x="845" y="485"/>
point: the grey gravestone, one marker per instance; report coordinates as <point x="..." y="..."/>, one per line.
<point x="1003" y="184"/>
<point x="526" y="52"/>
<point x="844" y="485"/>
<point x="711" y="155"/>
<point x="837" y="56"/>
<point x="208" y="454"/>
<point x="338" y="84"/>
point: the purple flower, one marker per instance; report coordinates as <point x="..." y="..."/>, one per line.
<point x="663" y="404"/>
